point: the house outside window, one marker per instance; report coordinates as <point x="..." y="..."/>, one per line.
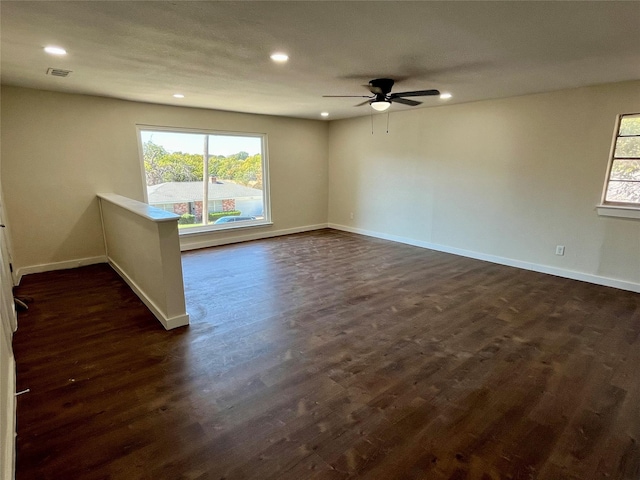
<point x="622" y="186"/>
<point x="206" y="177"/>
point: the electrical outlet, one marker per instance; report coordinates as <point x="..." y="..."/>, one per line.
<point x="560" y="250"/>
<point x="351" y="215"/>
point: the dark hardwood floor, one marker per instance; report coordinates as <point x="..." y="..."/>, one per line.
<point x="329" y="355"/>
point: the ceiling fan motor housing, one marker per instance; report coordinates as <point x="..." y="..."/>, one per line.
<point x="384" y="84"/>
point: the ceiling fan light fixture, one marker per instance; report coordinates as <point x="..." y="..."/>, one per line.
<point x="380" y="106"/>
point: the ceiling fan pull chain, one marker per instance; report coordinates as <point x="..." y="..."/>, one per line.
<point x="388" y="115"/>
<point x="371" y="123"/>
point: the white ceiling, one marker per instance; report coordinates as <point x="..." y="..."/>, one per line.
<point x="217" y="53"/>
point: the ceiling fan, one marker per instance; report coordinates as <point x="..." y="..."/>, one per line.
<point x="382" y="96"/>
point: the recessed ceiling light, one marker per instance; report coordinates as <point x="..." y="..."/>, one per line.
<point x="55" y="50"/>
<point x="279" y="57"/>
<point x="445" y="96"/>
<point x="178" y="95"/>
<point x="324" y="114"/>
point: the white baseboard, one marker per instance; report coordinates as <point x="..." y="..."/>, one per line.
<point x="558" y="272"/>
<point x="48" y="267"/>
<point x="167" y="322"/>
<point x="194" y="242"/>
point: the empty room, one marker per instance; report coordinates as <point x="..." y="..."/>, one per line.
<point x="320" y="240"/>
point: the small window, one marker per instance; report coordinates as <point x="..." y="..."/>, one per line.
<point x="208" y="178"/>
<point x="623" y="177"/>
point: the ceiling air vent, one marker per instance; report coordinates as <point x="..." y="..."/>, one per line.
<point x="58" y="72"/>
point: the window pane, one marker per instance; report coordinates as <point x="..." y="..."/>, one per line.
<point x="624" y="192"/>
<point x="623" y="183"/>
<point x="230" y="189"/>
<point x="630" y="125"/>
<point x="627" y="147"/>
<point x="625" y="170"/>
<point x="235" y="170"/>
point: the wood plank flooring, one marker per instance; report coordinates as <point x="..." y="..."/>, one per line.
<point x="329" y="355"/>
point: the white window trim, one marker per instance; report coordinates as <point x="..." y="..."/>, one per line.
<point x="266" y="222"/>
<point x="613" y="209"/>
<point x="607" y="210"/>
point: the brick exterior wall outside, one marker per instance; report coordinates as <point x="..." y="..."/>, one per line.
<point x="198" y="211"/>
<point x="182" y="208"/>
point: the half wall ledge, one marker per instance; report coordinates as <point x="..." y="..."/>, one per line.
<point x="143" y="247"/>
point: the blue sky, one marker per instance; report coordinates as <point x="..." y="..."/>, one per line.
<point x="194" y="142"/>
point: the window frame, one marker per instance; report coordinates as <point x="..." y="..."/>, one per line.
<point x="210" y="228"/>
<point x="611" y="208"/>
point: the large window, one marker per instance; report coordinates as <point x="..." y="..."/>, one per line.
<point x="213" y="180"/>
<point x="623" y="178"/>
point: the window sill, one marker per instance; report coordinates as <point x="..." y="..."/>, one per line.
<point x="618" y="211"/>
<point x="206" y="230"/>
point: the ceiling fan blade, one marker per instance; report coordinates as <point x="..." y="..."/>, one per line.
<point x="404" y="101"/>
<point x="417" y="93"/>
<point x="346" y="96"/>
<point x="363" y="103"/>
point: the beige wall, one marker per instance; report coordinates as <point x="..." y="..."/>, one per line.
<point x="59" y="150"/>
<point x="504" y="180"/>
